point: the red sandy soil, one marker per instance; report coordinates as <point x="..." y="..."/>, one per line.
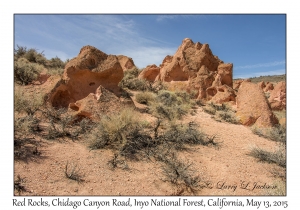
<point x="226" y="168"/>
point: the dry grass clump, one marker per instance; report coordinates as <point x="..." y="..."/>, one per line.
<point x="122" y="132"/>
<point x="131" y="81"/>
<point x="63" y="124"/>
<point x="180" y="173"/>
<point x="25" y="103"/>
<point x="222" y="112"/>
<point x="29" y="63"/>
<point x="276" y="133"/>
<point x="278" y="157"/>
<point x="178" y="136"/>
<point x="18" y="184"/>
<point x="26" y="72"/>
<point x="72" y="171"/>
<point x="171" y="105"/>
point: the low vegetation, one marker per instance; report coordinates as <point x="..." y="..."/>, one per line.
<point x="273" y="78"/>
<point x="180" y="173"/>
<point x="73" y="172"/>
<point x="29" y="64"/>
<point x="221" y="113"/>
<point x="276" y="133"/>
<point x="278" y="157"/>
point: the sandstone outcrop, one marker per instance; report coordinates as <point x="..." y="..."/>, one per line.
<point x="193" y="63"/>
<point x="125" y="62"/>
<point x="85" y="79"/>
<point x="262" y="84"/>
<point x="252" y="106"/>
<point x="277" y="98"/>
<point x="149" y="73"/>
<point x="268" y="87"/>
<point x="222" y="94"/>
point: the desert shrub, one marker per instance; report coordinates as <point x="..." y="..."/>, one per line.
<point x="32" y="55"/>
<point x="18" y="184"/>
<point x="123" y="133"/>
<point x="145" y="98"/>
<point x="26" y="125"/>
<point x="62" y="124"/>
<point x="131" y="81"/>
<point x="222" y="112"/>
<point x="135" y="84"/>
<point x="72" y="171"/>
<point x="228" y="116"/>
<point x="170" y="105"/>
<point x="25" y="103"/>
<point x="177" y="136"/>
<point x="210" y="110"/>
<point x="19" y="52"/>
<point x="116" y="162"/>
<point x="180" y="173"/>
<point x="55" y="71"/>
<point x="56" y="63"/>
<point x="275" y="133"/>
<point x="278" y="157"/>
<point x="26" y="72"/>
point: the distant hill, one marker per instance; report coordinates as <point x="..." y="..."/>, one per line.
<point x="273" y="79"/>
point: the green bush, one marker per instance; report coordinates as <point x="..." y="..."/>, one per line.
<point x="56" y="63"/>
<point x="170" y="105"/>
<point x="145" y="98"/>
<point x="26" y="72"/>
<point x="25" y="103"/>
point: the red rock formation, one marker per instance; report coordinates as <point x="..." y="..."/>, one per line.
<point x="268" y="87"/>
<point x="125" y="62"/>
<point x="277" y="98"/>
<point x="262" y="84"/>
<point x="84" y="80"/>
<point x="194" y="63"/>
<point x="252" y="106"/>
<point x="221" y="94"/>
<point x="149" y="73"/>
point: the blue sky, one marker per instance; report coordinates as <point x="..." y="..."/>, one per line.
<point x="255" y="44"/>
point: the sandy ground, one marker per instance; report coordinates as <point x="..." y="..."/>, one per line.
<point x="227" y="170"/>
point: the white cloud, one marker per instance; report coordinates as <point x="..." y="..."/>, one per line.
<point x="275" y="63"/>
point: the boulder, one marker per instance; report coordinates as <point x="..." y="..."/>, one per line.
<point x="225" y="72"/>
<point x="262" y="84"/>
<point x="96" y="104"/>
<point x="149" y="73"/>
<point x="89" y="84"/>
<point x="126" y="62"/>
<point x="252" y="106"/>
<point x="277" y="97"/>
<point x="268" y="87"/>
<point x="221" y="94"/>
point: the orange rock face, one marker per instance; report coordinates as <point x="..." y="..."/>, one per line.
<point x="125" y="62"/>
<point x="277" y="98"/>
<point x="194" y="63"/>
<point x="252" y="106"/>
<point x="149" y="73"/>
<point x="268" y="87"/>
<point x="85" y="77"/>
<point x="262" y="84"/>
